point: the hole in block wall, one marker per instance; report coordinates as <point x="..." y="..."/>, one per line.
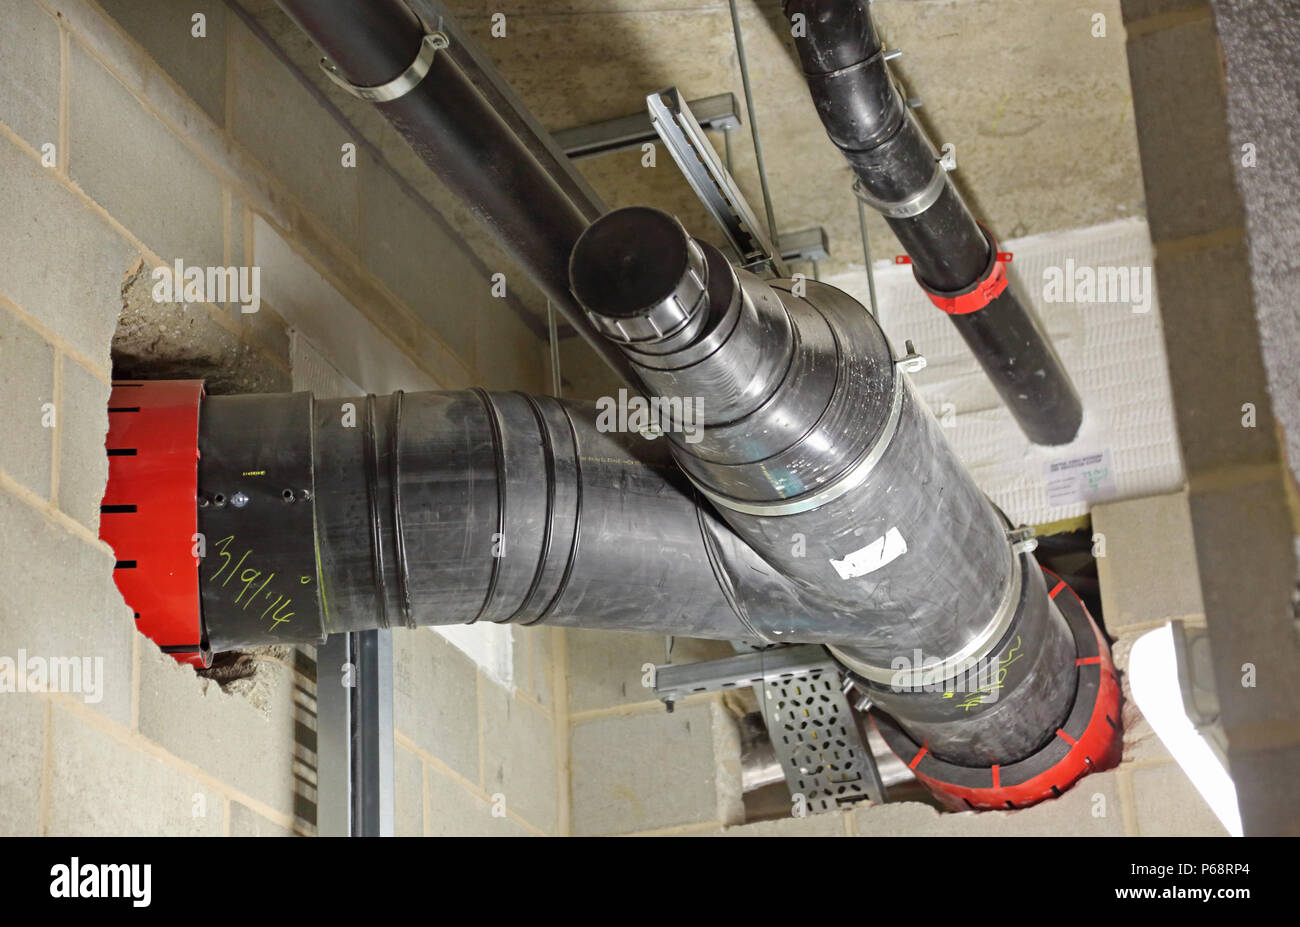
<point x="160" y="339"/>
<point x="163" y="340"/>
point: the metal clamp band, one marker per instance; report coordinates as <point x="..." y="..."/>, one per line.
<point x="399" y="86"/>
<point x="914" y="205"/>
<point x="960" y="662"/>
<point x="880" y="52"/>
<point x="849" y="480"/>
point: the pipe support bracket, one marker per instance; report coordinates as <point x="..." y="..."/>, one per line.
<point x="399" y="86"/>
<point x="914" y="205"/>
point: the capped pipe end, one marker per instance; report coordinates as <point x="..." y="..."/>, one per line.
<point x="639" y="276"/>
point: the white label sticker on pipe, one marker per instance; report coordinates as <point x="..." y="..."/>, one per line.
<point x="878" y="553"/>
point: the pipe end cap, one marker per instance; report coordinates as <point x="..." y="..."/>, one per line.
<point x="638" y="275"/>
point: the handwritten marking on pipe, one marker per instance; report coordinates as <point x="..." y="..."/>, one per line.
<point x="989" y="690"/>
<point x="248" y="577"/>
<point x="880" y="552"/>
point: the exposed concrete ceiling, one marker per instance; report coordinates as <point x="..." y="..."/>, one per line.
<point x="1037" y="105"/>
<point x="1038" y="108"/>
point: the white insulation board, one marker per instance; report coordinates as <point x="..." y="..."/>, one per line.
<point x="1127" y="446"/>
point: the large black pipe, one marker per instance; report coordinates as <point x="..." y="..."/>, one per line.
<point x="805" y="435"/>
<point x="835" y="512"/>
<point x="458" y="134"/>
<point x="808" y="439"/>
<point x="898" y="173"/>
<point x="331" y="515"/>
<point x="458" y="507"/>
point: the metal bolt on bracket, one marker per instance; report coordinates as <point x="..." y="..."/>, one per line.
<point x="911" y="362"/>
<point x="1022" y="540"/>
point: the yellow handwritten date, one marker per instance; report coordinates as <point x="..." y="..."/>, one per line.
<point x="247" y="588"/>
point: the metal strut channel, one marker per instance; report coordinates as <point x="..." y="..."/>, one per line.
<point x="685" y="140"/>
<point x="677" y="680"/>
<point x="713" y="113"/>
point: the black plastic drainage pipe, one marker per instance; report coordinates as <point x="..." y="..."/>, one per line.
<point x="805" y="436"/>
<point x="443" y="508"/>
<point x="459" y="135"/>
<point x="318" y="516"/>
<point x="323" y="516"/>
<point x="801" y="495"/>
<point x="954" y="258"/>
<point x="328" y="515"/>
<point x="805" y="497"/>
<point x="835" y="512"/>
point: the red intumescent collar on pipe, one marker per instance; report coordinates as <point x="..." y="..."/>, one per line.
<point x="979" y="294"/>
<point x="148" y="514"/>
<point x="1089" y="740"/>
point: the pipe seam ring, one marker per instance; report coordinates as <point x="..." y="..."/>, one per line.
<point x="400" y="85"/>
<point x="857" y="65"/>
<point x="846" y="482"/>
<point x="960" y="662"/>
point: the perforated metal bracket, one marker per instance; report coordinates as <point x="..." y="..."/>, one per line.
<point x="817" y="739"/>
<point x="676" y="681"/>
<point x="399" y="86"/>
<point x="803" y="700"/>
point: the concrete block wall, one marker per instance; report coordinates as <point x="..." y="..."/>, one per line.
<point x="128" y="142"/>
<point x="475" y="757"/>
<point x="1224" y="266"/>
<point x="635" y="768"/>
